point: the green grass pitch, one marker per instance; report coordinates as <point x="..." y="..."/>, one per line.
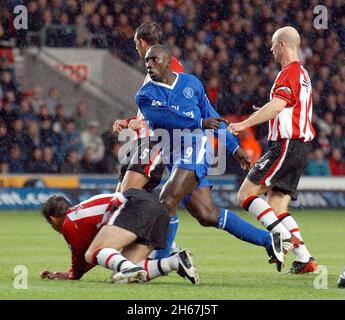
<point x="229" y="268"/>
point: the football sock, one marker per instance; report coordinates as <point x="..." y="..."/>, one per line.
<point x="156" y="268"/>
<point x="165" y="252"/>
<point x="112" y="259"/>
<point x="264" y="213"/>
<point x="242" y="229"/>
<point x="302" y="253"/>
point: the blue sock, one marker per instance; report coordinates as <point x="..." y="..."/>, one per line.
<point x="165" y="252"/>
<point x="242" y="229"/>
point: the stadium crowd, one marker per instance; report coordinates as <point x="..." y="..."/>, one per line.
<point x="226" y="45"/>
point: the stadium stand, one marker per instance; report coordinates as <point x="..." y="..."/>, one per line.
<point x="226" y="46"/>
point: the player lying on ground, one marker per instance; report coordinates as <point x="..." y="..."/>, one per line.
<point x="188" y="181"/>
<point x="139" y="172"/>
<point x="278" y="172"/>
<point x="119" y="240"/>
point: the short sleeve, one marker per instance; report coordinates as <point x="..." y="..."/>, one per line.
<point x="286" y="88"/>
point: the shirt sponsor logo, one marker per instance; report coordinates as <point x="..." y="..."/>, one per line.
<point x="156" y="103"/>
<point x="188" y="92"/>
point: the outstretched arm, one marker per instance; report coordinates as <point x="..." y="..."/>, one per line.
<point x="267" y="112"/>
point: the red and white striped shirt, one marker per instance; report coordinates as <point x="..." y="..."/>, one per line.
<point x="295" y="121"/>
<point x="145" y="131"/>
<point x="82" y="223"/>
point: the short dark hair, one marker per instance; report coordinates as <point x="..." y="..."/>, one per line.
<point x="55" y="206"/>
<point x="151" y="32"/>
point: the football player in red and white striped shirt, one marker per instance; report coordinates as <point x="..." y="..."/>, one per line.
<point x="119" y="240"/>
<point x="278" y="172"/>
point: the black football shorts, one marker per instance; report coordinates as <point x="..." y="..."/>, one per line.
<point x="147" y="161"/>
<point x="145" y="216"/>
<point x="281" y="167"/>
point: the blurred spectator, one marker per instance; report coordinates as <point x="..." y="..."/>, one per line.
<point x="87" y="163"/>
<point x="60" y="118"/>
<point x="7" y="113"/>
<point x="50" y="164"/>
<point x="71" y="139"/>
<point x="92" y="139"/>
<point x="323" y="142"/>
<point x="5" y="142"/>
<point x="80" y="116"/>
<point x="4" y="167"/>
<point x="109" y="139"/>
<point x="35" y="163"/>
<point x="32" y="138"/>
<point x="111" y="163"/>
<point x="71" y="165"/>
<point x="26" y="112"/>
<point x="18" y="136"/>
<point x="53" y="99"/>
<point x="37" y="99"/>
<point x="337" y="138"/>
<point x="336" y="163"/>
<point x="318" y="166"/>
<point x="15" y="160"/>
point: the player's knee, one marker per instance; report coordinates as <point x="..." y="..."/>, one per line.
<point x="242" y="196"/>
<point x="90" y="256"/>
<point x="170" y="202"/>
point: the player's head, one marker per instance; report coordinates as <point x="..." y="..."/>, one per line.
<point x="158" y="62"/>
<point x="147" y="35"/>
<point x="284" y="41"/>
<point x="54" y="210"/>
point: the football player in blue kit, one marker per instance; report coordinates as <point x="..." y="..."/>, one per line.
<point x="178" y="101"/>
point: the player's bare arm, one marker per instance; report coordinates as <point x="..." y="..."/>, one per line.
<point x="267" y="112"/>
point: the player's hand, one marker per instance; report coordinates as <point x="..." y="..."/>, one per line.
<point x="235" y="128"/>
<point x="118" y="125"/>
<point x="213" y="123"/>
<point x="242" y="157"/>
<point x="134" y="124"/>
<point x="54" y="275"/>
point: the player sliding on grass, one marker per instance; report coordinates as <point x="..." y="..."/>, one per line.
<point x="278" y="172"/>
<point x="117" y="240"/>
<point x="178" y="101"/>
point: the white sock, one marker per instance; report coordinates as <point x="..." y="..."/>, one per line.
<point x="302" y="253"/>
<point x="264" y="213"/>
<point x="112" y="259"/>
<point x="156" y="268"/>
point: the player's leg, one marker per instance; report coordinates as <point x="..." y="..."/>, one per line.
<point x="201" y="206"/>
<point x="248" y="198"/>
<point x="145" y="171"/>
<point x="181" y="183"/>
<point x="105" y="251"/>
<point x="280" y="203"/>
<point x="180" y="262"/>
<point x="133" y="180"/>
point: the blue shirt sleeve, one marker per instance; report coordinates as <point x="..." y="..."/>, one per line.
<point x="163" y="117"/>
<point x="207" y="111"/>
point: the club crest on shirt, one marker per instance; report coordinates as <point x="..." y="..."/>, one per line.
<point x="188" y="92"/>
